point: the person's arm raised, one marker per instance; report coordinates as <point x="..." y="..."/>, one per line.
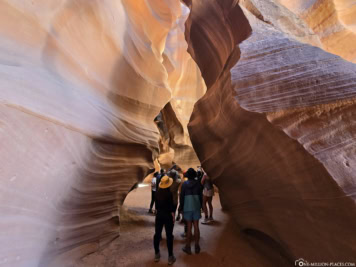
<point x="203" y="180"/>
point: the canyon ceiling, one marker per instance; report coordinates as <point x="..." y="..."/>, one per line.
<point x="261" y="92"/>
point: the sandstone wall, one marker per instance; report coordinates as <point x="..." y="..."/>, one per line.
<point x="328" y="24"/>
<point x="276" y="134"/>
<point x="81" y="83"/>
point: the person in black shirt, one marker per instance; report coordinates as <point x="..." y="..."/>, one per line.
<point x="164" y="217"/>
<point x="159" y="177"/>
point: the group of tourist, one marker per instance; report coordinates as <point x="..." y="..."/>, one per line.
<point x="193" y="190"/>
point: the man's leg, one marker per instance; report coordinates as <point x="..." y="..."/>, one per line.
<point x="186" y="248"/>
<point x="168" y="224"/>
<point x="196" y="232"/>
<point x="184" y="234"/>
<point x="210" y="203"/>
<point x="189" y="233"/>
<point x="158" y="232"/>
<point x="196" y="236"/>
<point x="205" y="207"/>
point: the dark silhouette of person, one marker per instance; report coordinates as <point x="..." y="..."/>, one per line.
<point x="164" y="217"/>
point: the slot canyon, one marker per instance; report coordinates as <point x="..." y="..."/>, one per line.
<point x="97" y="94"/>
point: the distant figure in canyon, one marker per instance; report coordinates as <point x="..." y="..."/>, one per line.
<point x="208" y="193"/>
<point x="153" y="191"/>
<point x="191" y="202"/>
<point x="164" y="217"/>
<point x="200" y="173"/>
<point x="180" y="211"/>
<point x="173" y="173"/>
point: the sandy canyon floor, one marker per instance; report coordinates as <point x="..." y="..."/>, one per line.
<point x="222" y="243"/>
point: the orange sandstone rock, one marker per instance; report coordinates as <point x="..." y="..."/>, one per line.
<point x="276" y="135"/>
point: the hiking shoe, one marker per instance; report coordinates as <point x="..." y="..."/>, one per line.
<point x="206" y="221"/>
<point x="187" y="250"/>
<point x="183" y="235"/>
<point x="171" y="260"/>
<point x="157" y="257"/>
<point x="197" y="249"/>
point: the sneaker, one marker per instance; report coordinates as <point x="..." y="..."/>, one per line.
<point x="171" y="260"/>
<point x="187" y="250"/>
<point x="157" y="257"/>
<point x="183" y="235"/>
<point x="150" y="211"/>
<point x="197" y="249"/>
<point x="211" y="219"/>
<point x="206" y="221"/>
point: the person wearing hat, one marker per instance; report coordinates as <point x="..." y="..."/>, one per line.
<point x="191" y="203"/>
<point x="164" y="217"/>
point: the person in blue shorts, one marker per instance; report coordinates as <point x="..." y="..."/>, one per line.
<point x="191" y="203"/>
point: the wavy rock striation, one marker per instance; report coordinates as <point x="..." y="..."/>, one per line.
<point x="278" y="139"/>
<point x="81" y="83"/>
<point x="328" y="24"/>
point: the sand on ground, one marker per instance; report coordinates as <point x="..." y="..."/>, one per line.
<point x="222" y="244"/>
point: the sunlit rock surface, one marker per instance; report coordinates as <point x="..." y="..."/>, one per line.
<point x="329" y="24"/>
<point x="276" y="134"/>
<point x="81" y="83"/>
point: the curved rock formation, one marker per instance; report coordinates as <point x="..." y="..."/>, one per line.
<point x="294" y="188"/>
<point x="81" y="83"/>
<point x="329" y="24"/>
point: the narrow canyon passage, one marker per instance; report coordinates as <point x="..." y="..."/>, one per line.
<point x="95" y="95"/>
<point x="222" y="243"/>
